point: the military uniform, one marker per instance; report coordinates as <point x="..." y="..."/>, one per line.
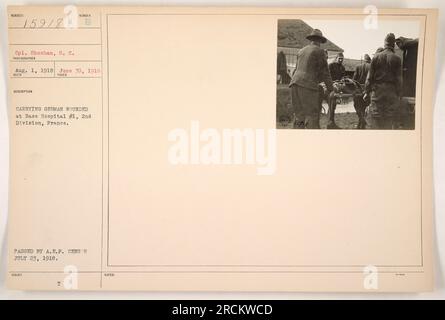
<point x="337" y="71"/>
<point x="282" y="68"/>
<point x="360" y="75"/>
<point x="311" y="70"/>
<point x="385" y="84"/>
<point x="361" y="72"/>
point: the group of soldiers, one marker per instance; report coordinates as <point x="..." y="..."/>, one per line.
<point x="377" y="83"/>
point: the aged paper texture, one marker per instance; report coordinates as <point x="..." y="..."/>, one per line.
<point x="158" y="149"/>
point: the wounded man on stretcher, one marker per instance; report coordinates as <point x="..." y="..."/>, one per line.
<point x="345" y="88"/>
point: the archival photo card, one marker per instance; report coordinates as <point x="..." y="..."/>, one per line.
<point x="152" y="148"/>
<point x="351" y="73"/>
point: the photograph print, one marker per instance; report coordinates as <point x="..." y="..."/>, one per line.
<point x="337" y="74"/>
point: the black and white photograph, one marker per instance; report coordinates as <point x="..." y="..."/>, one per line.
<point x="329" y="77"/>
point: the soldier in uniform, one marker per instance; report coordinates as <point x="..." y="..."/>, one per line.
<point x="322" y="90"/>
<point x="337" y="71"/>
<point x="311" y="70"/>
<point x="282" y="68"/>
<point x="336" y="68"/>
<point x="360" y="103"/>
<point x="384" y="83"/>
<point x="361" y="71"/>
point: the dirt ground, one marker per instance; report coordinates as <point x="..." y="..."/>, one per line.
<point x="345" y="115"/>
<point x="348" y="120"/>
